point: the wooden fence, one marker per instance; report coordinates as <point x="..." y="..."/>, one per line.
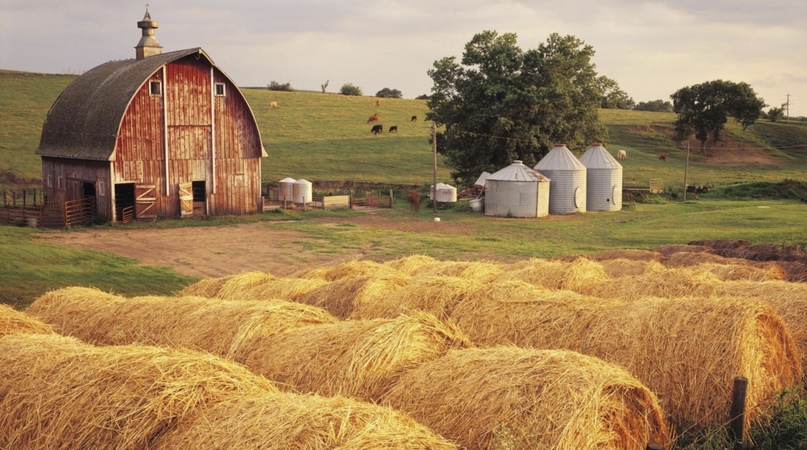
<point x="29" y="208"/>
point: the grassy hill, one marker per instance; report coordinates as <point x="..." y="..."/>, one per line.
<point x="326" y="138"/>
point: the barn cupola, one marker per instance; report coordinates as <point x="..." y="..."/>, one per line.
<point x="148" y="45"/>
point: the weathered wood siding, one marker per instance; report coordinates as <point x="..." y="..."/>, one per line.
<point x="63" y="179"/>
<point x="206" y="137"/>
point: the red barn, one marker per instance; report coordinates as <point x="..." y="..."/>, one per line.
<point x="164" y="134"/>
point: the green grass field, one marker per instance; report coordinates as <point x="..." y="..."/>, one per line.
<point x="326" y="138"/>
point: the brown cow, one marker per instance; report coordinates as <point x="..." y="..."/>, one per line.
<point x="374" y="118"/>
<point x="414" y="200"/>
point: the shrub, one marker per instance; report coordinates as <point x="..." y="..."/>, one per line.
<point x="350" y="89"/>
<point x="275" y="86"/>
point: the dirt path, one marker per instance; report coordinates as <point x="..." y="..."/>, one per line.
<point x="217" y="251"/>
<point x="205" y="252"/>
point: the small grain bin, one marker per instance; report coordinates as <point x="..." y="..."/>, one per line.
<point x="445" y="193"/>
<point x="517" y="191"/>
<point x="301" y="191"/>
<point x="604" y="179"/>
<point x="568" y="175"/>
<point x="285" y="191"/>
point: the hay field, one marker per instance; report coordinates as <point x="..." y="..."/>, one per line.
<point x="680" y="329"/>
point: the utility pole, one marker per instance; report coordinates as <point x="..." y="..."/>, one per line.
<point x="434" y="152"/>
<point x="686" y="173"/>
<point x="787" y="109"/>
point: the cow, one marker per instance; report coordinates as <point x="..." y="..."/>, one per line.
<point x="663" y="157"/>
<point x="414" y="201"/>
<point x="378" y="102"/>
<point x="273" y="105"/>
<point x="374" y="118"/>
<point x="621" y="154"/>
<point x="377" y="129"/>
<point x="393" y="129"/>
<point x="414" y="119"/>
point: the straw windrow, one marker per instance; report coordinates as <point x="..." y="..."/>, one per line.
<point x="217" y="326"/>
<point x="510" y="397"/>
<point x="357" y="358"/>
<point x="342" y="297"/>
<point x="13" y="321"/>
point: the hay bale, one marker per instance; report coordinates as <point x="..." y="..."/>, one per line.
<point x="409" y="264"/>
<point x="342" y="297"/>
<point x="13" y="321"/>
<point x="291" y="289"/>
<point x="627" y="253"/>
<point x="669" y="283"/>
<point x="289" y="421"/>
<point x="728" y="268"/>
<point x="66" y="394"/>
<point x="222" y="327"/>
<point x="669" y="249"/>
<point x="540" y="272"/>
<point x="687" y="350"/>
<point x="476" y="270"/>
<point x="61" y="393"/>
<point x="349" y="269"/>
<point x="510" y="397"/>
<point x="437" y="295"/>
<point x="356" y="358"/>
<point x="236" y="286"/>
<point x="621" y="267"/>
<point x="207" y="287"/>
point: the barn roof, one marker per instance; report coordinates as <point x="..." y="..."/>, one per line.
<point x="83" y="122"/>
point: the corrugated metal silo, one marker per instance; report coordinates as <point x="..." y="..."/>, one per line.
<point x="285" y="190"/>
<point x="302" y="191"/>
<point x="568" y="175"/>
<point x="517" y="191"/>
<point x="604" y="191"/>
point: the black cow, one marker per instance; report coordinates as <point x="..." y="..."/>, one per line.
<point x="377" y="129"/>
<point x="393" y="129"/>
<point x="414" y="118"/>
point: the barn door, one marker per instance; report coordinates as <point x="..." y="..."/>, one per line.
<point x="186" y="199"/>
<point x="145" y="201"/>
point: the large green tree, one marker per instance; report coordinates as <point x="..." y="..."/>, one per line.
<point x="704" y="109"/>
<point x="501" y="103"/>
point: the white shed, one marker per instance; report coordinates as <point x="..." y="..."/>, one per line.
<point x="568" y="175"/>
<point x="604" y="179"/>
<point x="517" y="191"/>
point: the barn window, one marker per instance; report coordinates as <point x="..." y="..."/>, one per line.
<point x="60" y="183"/>
<point x="101" y="189"/>
<point x="220" y="89"/>
<point x="50" y="181"/>
<point x="155" y="88"/>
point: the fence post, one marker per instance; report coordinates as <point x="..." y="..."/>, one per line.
<point x="737" y="413"/>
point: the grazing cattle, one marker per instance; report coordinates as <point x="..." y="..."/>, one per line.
<point x="393" y="129"/>
<point x="414" y="119"/>
<point x="273" y="105"/>
<point x="622" y="154"/>
<point x="663" y="157"/>
<point x="374" y="118"/>
<point x="377" y="129"/>
<point x="378" y="102"/>
<point x="414" y="201"/>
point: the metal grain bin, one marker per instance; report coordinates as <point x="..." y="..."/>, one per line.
<point x="302" y="191"/>
<point x="568" y="175"/>
<point x="517" y="191"/>
<point x="604" y="179"/>
<point x="285" y="190"/>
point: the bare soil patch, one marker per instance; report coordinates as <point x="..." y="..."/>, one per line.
<point x="728" y="152"/>
<point x="217" y="251"/>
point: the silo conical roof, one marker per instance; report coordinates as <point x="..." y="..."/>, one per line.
<point x="597" y="157"/>
<point x="517" y="171"/>
<point x="559" y="158"/>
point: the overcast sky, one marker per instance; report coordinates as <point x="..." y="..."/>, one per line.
<point x="651" y="48"/>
